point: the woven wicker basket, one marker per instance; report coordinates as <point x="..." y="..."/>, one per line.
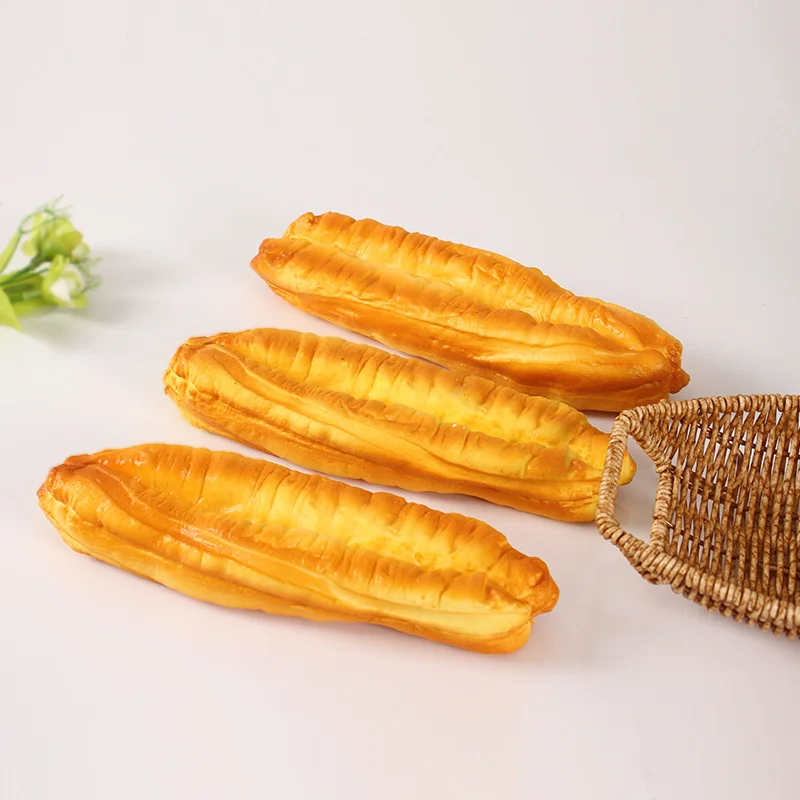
<point x="726" y="522"/>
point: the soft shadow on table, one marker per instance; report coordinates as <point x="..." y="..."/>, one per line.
<point x="128" y="277"/>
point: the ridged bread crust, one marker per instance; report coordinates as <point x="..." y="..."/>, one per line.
<point x="247" y="533"/>
<point x="471" y="309"/>
<point x="359" y="412"/>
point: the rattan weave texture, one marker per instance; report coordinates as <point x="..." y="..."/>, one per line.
<point x="726" y="521"/>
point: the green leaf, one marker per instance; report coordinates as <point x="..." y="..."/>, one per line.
<point x="11" y="248"/>
<point x="7" y="314"/>
<point x="28" y="306"/>
<point x="26" y="289"/>
<point x="21" y="274"/>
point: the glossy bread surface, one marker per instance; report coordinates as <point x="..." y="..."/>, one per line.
<point x="467" y="308"/>
<point x="247" y="533"/>
<point x="359" y="412"/>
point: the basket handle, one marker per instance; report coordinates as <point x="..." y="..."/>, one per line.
<point x="631" y="546"/>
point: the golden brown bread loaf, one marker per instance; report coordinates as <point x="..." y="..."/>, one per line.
<point x="467" y="308"/>
<point x="359" y="412"/>
<point x="246" y="533"/>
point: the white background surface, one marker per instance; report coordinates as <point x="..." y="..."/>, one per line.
<point x="643" y="152"/>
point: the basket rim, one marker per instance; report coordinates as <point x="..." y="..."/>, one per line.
<point x="651" y="560"/>
<point x="743" y="402"/>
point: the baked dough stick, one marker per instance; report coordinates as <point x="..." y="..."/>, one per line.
<point x="246" y="533"/>
<point x="492" y="279"/>
<point x="360" y="412"/>
<point x="466" y="308"/>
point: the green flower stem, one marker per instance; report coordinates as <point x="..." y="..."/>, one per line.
<point x="26" y="283"/>
<point x="15" y="277"/>
<point x="24" y="294"/>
